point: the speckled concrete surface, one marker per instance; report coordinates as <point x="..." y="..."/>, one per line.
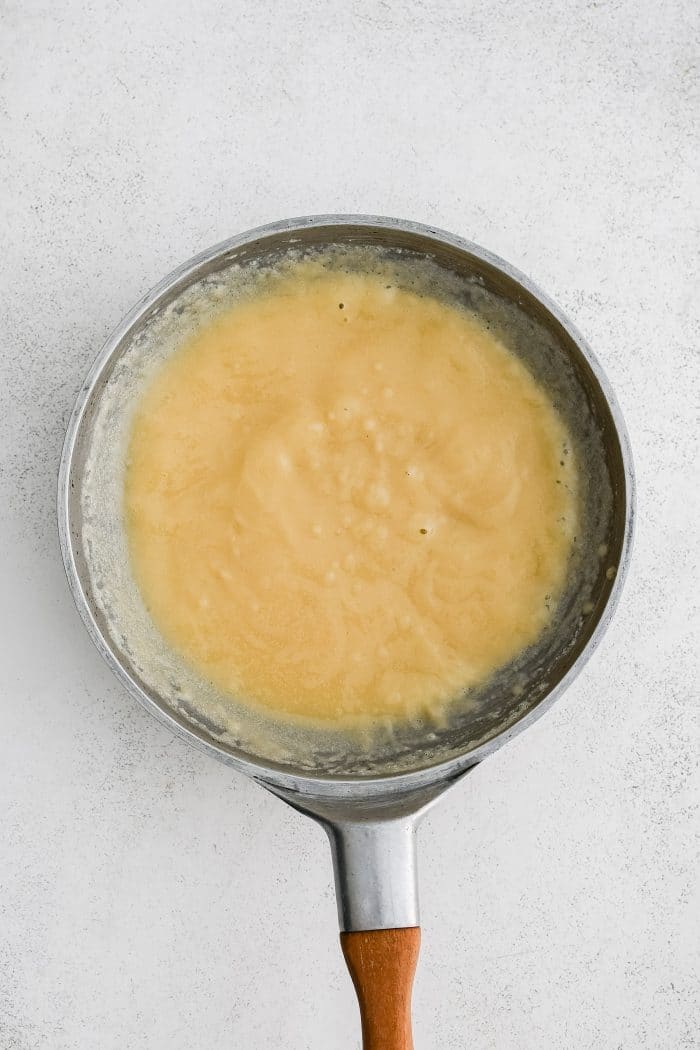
<point x="151" y="898"/>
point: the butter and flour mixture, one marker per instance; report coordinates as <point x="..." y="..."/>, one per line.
<point x="347" y="501"/>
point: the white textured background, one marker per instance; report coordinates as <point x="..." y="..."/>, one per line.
<point x="150" y="898"/>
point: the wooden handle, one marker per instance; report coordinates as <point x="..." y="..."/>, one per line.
<point x="382" y="964"/>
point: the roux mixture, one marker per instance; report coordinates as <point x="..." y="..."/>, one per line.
<point x="346" y="501"/>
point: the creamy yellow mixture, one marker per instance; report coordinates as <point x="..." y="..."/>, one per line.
<point x="346" y="501"/>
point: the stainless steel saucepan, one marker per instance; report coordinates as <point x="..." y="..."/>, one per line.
<point x="370" y="804"/>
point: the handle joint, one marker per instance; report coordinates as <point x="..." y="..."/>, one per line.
<point x="375" y="873"/>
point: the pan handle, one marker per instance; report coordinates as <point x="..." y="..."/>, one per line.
<point x="376" y="887"/>
<point x="373" y="841"/>
<point x="382" y="964"/>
